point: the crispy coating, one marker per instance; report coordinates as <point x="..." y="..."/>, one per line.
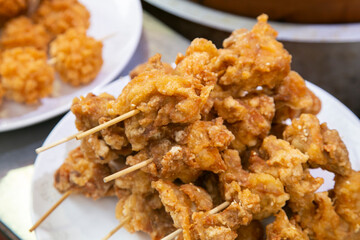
<point x="223" y="225"/>
<point x="248" y="118"/>
<point x="253" y="231"/>
<point x="282" y="228"/>
<point x="78" y="57"/>
<point x="191" y="150"/>
<point x="293" y="98"/>
<point x="253" y="58"/>
<point x="26" y="76"/>
<point x="22" y="32"/>
<point x="325" y="223"/>
<point x="286" y="163"/>
<point x="106" y="145"/>
<point x="82" y="176"/>
<point x="60" y="15"/>
<point x="177" y="203"/>
<point x="138" y="200"/>
<point x="163" y="99"/>
<point x="198" y="195"/>
<point x="269" y="189"/>
<point x="153" y="63"/>
<point x="347" y="198"/>
<point x="198" y="60"/>
<point x="11" y="8"/>
<point x="323" y="146"/>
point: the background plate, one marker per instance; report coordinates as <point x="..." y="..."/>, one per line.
<point x="82" y="218"/>
<point x="122" y="18"/>
<point x="349" y="32"/>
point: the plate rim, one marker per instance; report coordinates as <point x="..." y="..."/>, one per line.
<point x="293" y="32"/>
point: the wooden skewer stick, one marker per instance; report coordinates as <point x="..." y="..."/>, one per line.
<point x="81" y="134"/>
<point x="51" y="145"/>
<point x="127" y="170"/>
<point x="107" y="124"/>
<point x="67" y="194"/>
<point x="122" y="223"/>
<point x="212" y="211"/>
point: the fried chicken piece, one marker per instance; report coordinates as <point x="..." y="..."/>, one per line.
<point x="82" y="176"/>
<point x="223" y="225"/>
<point x="286" y="163"/>
<point x="138" y="200"/>
<point x="189" y="151"/>
<point x="153" y="63"/>
<point x="103" y="146"/>
<point x="11" y="8"/>
<point x="60" y="15"/>
<point x="177" y="203"/>
<point x="323" y="146"/>
<point x="163" y="99"/>
<point x="22" y="32"/>
<point x="347" y="198"/>
<point x="253" y="231"/>
<point x="78" y="57"/>
<point x="282" y="228"/>
<point x="198" y="195"/>
<point x="325" y="222"/>
<point x="197" y="61"/>
<point x="253" y="58"/>
<point x="269" y="189"/>
<point x="248" y="118"/>
<point x="293" y="98"/>
<point x="26" y="76"/>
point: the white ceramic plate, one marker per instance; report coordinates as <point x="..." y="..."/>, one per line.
<point x="197" y="13"/>
<point x="82" y="218"/>
<point x="123" y="18"/>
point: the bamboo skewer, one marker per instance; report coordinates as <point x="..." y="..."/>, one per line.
<point x="67" y="194"/>
<point x="107" y="124"/>
<point x="81" y="134"/>
<point x="122" y="223"/>
<point x="212" y="211"/>
<point x="51" y="145"/>
<point x="127" y="170"/>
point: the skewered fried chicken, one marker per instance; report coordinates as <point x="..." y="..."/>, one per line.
<point x="286" y="163"/>
<point x="293" y="98"/>
<point x="26" y="76"/>
<point x="282" y="228"/>
<point x="252" y="58"/>
<point x="78" y="57"/>
<point x="60" y="15"/>
<point x="82" y="176"/>
<point x="106" y="145"/>
<point x="323" y="146"/>
<point x="22" y="32"/>
<point x="196" y="121"/>
<point x="347" y="199"/>
<point x="185" y="152"/>
<point x="138" y="200"/>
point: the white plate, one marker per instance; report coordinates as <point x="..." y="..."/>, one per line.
<point x="120" y="17"/>
<point x="82" y="218"/>
<point x="349" y="32"/>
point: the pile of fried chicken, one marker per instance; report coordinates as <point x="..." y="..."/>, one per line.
<point x="217" y="129"/>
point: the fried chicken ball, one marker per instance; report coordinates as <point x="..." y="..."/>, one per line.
<point x="78" y="57"/>
<point x="11" y="8"/>
<point x="26" y="76"/>
<point x="60" y="15"/>
<point x="22" y="32"/>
